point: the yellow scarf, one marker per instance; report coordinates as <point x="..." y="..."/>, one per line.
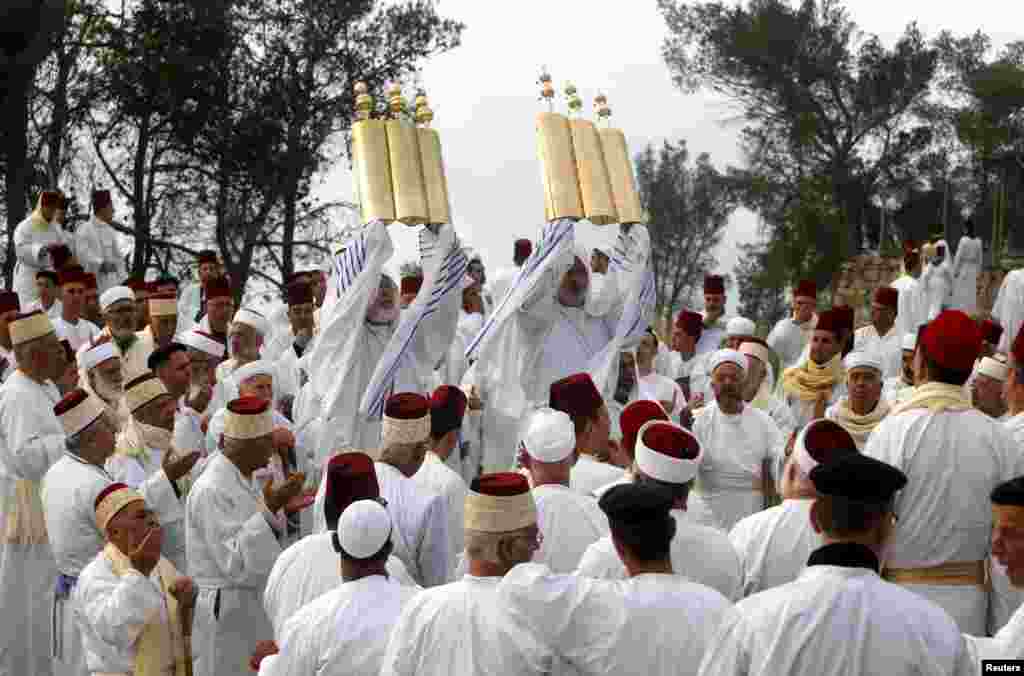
<point x="24" y="522"/>
<point x="160" y="649"/>
<point x="860" y="426"/>
<point x="936" y="397"/>
<point x="137" y="438"/>
<point x="809" y="381"/>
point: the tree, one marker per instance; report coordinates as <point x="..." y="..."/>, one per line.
<point x="761" y="297"/>
<point x="687" y="208"/>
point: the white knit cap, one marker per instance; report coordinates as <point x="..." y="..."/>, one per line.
<point x="252" y="318"/>
<point x="91" y="357"/>
<point x="856" y="360"/>
<point x="994" y="369"/>
<point x="910" y="342"/>
<point x="752" y="349"/>
<point x="115" y="294"/>
<point x="78" y="416"/>
<point x="727" y="357"/>
<point x="364" y="528"/>
<point x="550" y="435"/>
<point x="197" y="341"/>
<point x="260" y="367"/>
<point x="740" y="326"/>
<point x="657" y="463"/>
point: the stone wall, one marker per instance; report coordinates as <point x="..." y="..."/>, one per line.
<point x="858" y="278"/>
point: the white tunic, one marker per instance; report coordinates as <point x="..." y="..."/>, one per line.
<point x="803" y="411"/>
<point x="1007" y="644"/>
<point x="966" y="266"/>
<point x="694" y="370"/>
<point x="231" y="549"/>
<point x="788" y="339"/>
<point x="936" y="282"/>
<point x="1008" y="309"/>
<point x="889" y="348"/>
<point x="699" y="553"/>
<point x="306" y="571"/>
<point x="344" y="631"/>
<point x="569" y="523"/>
<point x="774" y="545"/>
<point x="96" y="244"/>
<point x="735" y="448"/>
<point x="896" y="391"/>
<point x="837" y="621"/>
<point x="588" y="474"/>
<point x="952" y="460"/>
<point x="189" y="304"/>
<point x="912" y="306"/>
<point x="712" y="336"/>
<point x="575" y="338"/>
<point x="31" y="236"/>
<point x="437" y="478"/>
<point x="77" y="334"/>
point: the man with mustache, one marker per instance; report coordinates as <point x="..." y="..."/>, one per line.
<point x="792" y="334"/>
<point x="714" y="311"/>
<point x="820" y="380"/>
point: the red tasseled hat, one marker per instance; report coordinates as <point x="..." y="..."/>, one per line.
<point x="714" y="284"/>
<point x="101" y="199"/>
<point x="1017" y="350"/>
<point x="206" y="256"/>
<point x="407" y="406"/>
<point x="247" y="405"/>
<point x="991" y="332"/>
<point x="952" y="340"/>
<point x="349" y="477"/>
<point x="887" y="296"/>
<point x="635" y="416"/>
<point x="411" y="285"/>
<point x="806" y="288"/>
<point x="9" y="302"/>
<point x="502" y="484"/>
<point x="90" y="282"/>
<point x="70" y="400"/>
<point x="671" y="441"/>
<point x="576" y="395"/>
<point x="447" y="408"/>
<point x="692" y="323"/>
<point x="51" y="198"/>
<point x="72" y="274"/>
<point x="218" y="287"/>
<point x="825" y="438"/>
<point x="59" y="256"/>
<point x="112" y="488"/>
<point x="299" y="293"/>
<point x="523" y="248"/>
<point x="829" y="320"/>
<point x="846" y="317"/>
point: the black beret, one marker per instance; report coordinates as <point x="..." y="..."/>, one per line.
<point x="858" y="477"/>
<point x="1009" y="492"/>
<point x="160" y="355"/>
<point x="636" y="503"/>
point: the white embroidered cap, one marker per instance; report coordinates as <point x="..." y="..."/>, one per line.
<point x="260" y="367"/>
<point x="910" y="342"/>
<point x="203" y="342"/>
<point x="115" y="294"/>
<point x="994" y="369"/>
<point x="142" y="390"/>
<point x="77" y="410"/>
<point x="740" y="326"/>
<point x="757" y="350"/>
<point x="727" y="357"/>
<point x="550" y="435"/>
<point x="30" y="326"/>
<point x="364" y="528"/>
<point x="863" y="360"/>
<point x="667" y="452"/>
<point x="252" y="318"/>
<point x="248" y="418"/>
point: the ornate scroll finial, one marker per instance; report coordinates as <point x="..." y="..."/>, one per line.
<point x="364" y="102"/>
<point x="547" y="90"/>
<point x="573" y="97"/>
<point x="424" y="115"/>
<point x="396" y="102"/>
<point x="601" y="108"/>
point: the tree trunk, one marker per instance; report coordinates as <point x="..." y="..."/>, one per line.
<point x="140" y="210"/>
<point x="16" y="103"/>
<point x="66" y="58"/>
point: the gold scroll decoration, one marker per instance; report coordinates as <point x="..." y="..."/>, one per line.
<point x="595" y="189"/>
<point x="620" y="174"/>
<point x="406" y="173"/>
<point x="371" y="170"/>
<point x="558" y="167"/>
<point x="432" y="163"/>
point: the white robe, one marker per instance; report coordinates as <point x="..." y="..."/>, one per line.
<point x="735" y="448"/>
<point x="712" y="336"/>
<point x="420" y="535"/>
<point x="952" y="460"/>
<point x="502" y="279"/>
<point x="231" y="550"/>
<point x="837" y="621"/>
<point x="96" y="244"/>
<point x="774" y="545"/>
<point x="937" y="283"/>
<point x="460" y="629"/>
<point x="912" y="306"/>
<point x="654" y="624"/>
<point x="966" y="266"/>
<point x="1008" y="308"/>
<point x="437" y="478"/>
<point x="77" y="334"/>
<point x="306" y="571"/>
<point x="1007" y="644"/>
<point x="8" y="364"/>
<point x="803" y="411"/>
<point x="694" y="370"/>
<point x="656" y="387"/>
<point x="889" y="348"/>
<point x="895" y="391"/>
<point x="789" y="339"/>
<point x="189" y="304"/>
<point x="1006" y="598"/>
<point x="344" y="631"/>
<point x="30" y="238"/>
<point x="588" y="475"/>
<point x="699" y="553"/>
<point x="569" y="523"/>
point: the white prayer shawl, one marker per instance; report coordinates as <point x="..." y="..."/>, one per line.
<point x="734" y="450"/>
<point x="455" y="365"/>
<point x="569" y="523"/>
<point x="231" y="549"/>
<point x="966" y="266"/>
<point x="774" y="545"/>
<point x="837" y="621"/>
<point x="889" y="348"/>
<point x="31" y="236"/>
<point x="306" y="571"/>
<point x="952" y="460"/>
<point x="437" y="478"/>
<point x="344" y="631"/>
<point x="1008" y="309"/>
<point x="502" y="282"/>
<point x="895" y="391"/>
<point x="788" y="339"/>
<point x="111" y="612"/>
<point x="420" y="534"/>
<point x="463" y="628"/>
<point x="699" y="553"/>
<point x="654" y="624"/>
<point x="694" y="368"/>
<point x="912" y="306"/>
<point x="96" y="244"/>
<point x="588" y="474"/>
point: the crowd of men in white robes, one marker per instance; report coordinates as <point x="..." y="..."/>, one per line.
<point x="441" y="476"/>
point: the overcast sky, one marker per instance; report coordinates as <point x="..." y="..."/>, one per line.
<point x="485" y="96"/>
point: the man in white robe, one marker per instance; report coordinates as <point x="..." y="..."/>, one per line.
<point x="246" y="335"/>
<point x="96" y="245"/>
<point x="967" y="265"/>
<point x="204" y="355"/>
<point x="939" y="546"/>
<point x="667" y="458"/>
<point x="840" y="617"/>
<point x="820" y="379"/>
<point x="307" y="569"/>
<point x="937" y="279"/>
<point x="774" y="544"/>
<point x="291" y="343"/>
<point x="900" y="389"/>
<point x="882" y="336"/>
<point x="985" y="388"/>
<point x="714" y="315"/>
<point x="134" y="348"/>
<point x="791" y="335"/>
<point x="652" y="385"/>
<point x="759" y="386"/>
<point x="577" y="397"/>
<point x="346" y="630"/>
<point x="69" y="325"/>
<point x="462" y="627"/>
<point x="131" y="605"/>
<point x="683" y="365"/>
<point x="35" y="238"/>
<point x="1008" y="308"/>
<point x="503" y="279"/>
<point x="192" y="303"/>
<point x="913" y="306"/>
<point x="741" y="446"/>
<point x="9" y="309"/>
<point x="232" y="542"/>
<point x="658" y="621"/>
<point x="862" y="408"/>
<point x="48" y="288"/>
<point x="69" y="491"/>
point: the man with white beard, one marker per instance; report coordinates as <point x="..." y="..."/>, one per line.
<point x="792" y="334"/>
<point x="101" y="375"/>
<point x="204" y="355"/>
<point x="246" y="334"/>
<point x="986" y="386"/>
<point x="120" y="315"/>
<point x="759" y="386"/>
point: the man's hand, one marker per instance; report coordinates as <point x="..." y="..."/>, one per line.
<point x="285" y="406"/>
<point x="302" y="501"/>
<point x="147" y="554"/>
<point x="199" y="398"/>
<point x="474" y="401"/>
<point x="175" y="467"/>
<point x="697" y="401"/>
<point x="283" y="439"/>
<point x="263" y="649"/>
<point x="204" y="423"/>
<point x="277" y="498"/>
<point x="820" y="404"/>
<point x="184" y="592"/>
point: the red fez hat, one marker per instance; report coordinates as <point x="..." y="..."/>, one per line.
<point x="824" y="438"/>
<point x="500" y="484"/>
<point x="114" y="487"/>
<point x="51" y="199"/>
<point x="101" y="199"/>
<point x="576" y="395"/>
<point x="1017" y="349"/>
<point x="299" y="293"/>
<point x="829" y="320"/>
<point x="714" y="284"/>
<point x="671" y="441"/>
<point x="692" y="323"/>
<point x="9" y="301"/>
<point x="846" y="317"/>
<point x="806" y="288"/>
<point x="60" y="255"/>
<point x="407" y="406"/>
<point x="991" y="332"/>
<point x="218" y="287"/>
<point x="70" y="400"/>
<point x="523" y="248"/>
<point x="634" y="416"/>
<point x="887" y="296"/>
<point x="243" y="405"/>
<point x="294" y="277"/>
<point x="206" y="256"/>
<point x="350" y="477"/>
<point x="72" y="274"/>
<point x="411" y="284"/>
<point x="136" y="284"/>
<point x="447" y="408"/>
<point x="48" y="274"/>
<point x="89" y="279"/>
<point x="952" y="340"/>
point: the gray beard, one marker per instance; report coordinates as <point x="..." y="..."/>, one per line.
<point x="108" y="393"/>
